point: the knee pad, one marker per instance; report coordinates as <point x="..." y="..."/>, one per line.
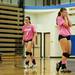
<point x="69" y="55"/>
<point x="30" y="53"/>
<point x="33" y="61"/>
<point x="27" y="53"/>
<point x="66" y="55"/>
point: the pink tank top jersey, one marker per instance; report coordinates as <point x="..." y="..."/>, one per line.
<point x="28" y="32"/>
<point x="61" y="29"/>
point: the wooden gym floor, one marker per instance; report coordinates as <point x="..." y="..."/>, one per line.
<point x="44" y="67"/>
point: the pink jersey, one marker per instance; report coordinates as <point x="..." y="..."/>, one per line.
<point x="61" y="29"/>
<point x="28" y="32"/>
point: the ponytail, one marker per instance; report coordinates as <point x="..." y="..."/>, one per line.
<point x="59" y="14"/>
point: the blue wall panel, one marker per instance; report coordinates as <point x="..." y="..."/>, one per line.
<point x="73" y="45"/>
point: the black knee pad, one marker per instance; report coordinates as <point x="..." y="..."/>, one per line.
<point x="30" y="53"/>
<point x="33" y="61"/>
<point x="27" y="53"/>
<point x="66" y="55"/>
<point x="27" y="62"/>
<point x="69" y="55"/>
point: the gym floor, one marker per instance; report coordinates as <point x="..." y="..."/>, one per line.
<point x="44" y="67"/>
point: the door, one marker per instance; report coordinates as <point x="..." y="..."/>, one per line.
<point x="47" y="44"/>
<point x="37" y="49"/>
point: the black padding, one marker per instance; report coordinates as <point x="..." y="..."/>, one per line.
<point x="27" y="53"/>
<point x="27" y="62"/>
<point x="33" y="61"/>
<point x="66" y="55"/>
<point x="69" y="55"/>
<point x="30" y="53"/>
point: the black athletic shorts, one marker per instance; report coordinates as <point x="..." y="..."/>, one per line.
<point x="28" y="40"/>
<point x="61" y="37"/>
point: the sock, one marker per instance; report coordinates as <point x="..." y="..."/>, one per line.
<point x="63" y="66"/>
<point x="64" y="62"/>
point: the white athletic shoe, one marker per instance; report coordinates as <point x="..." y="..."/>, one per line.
<point x="32" y="66"/>
<point x="26" y="66"/>
<point x="35" y="65"/>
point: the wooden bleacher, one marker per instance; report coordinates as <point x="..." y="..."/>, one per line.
<point x="11" y="20"/>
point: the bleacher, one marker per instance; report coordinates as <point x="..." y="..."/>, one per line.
<point x="11" y="20"/>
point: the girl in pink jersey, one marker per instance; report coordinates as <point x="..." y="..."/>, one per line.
<point x="29" y="35"/>
<point x="64" y="25"/>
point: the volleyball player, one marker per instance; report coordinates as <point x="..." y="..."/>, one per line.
<point x="64" y="25"/>
<point x="29" y="36"/>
